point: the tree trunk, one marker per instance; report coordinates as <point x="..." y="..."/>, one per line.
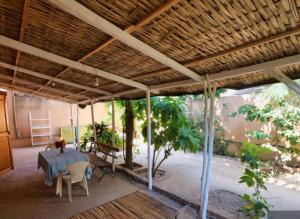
<point x="129" y="130"/>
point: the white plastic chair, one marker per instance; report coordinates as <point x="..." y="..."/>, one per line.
<point x="76" y="173"/>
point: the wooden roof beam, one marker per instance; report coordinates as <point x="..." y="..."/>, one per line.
<point x="131" y="91"/>
<point x="284" y="79"/>
<point x="5" y="41"/>
<point x="130" y="29"/>
<point x="39" y="75"/>
<point x="34" y="93"/>
<point x="215" y="77"/>
<point x="62" y="92"/>
<point x="290" y="60"/>
<point x="273" y="38"/>
<point x="86" y="15"/>
<point x="22" y="30"/>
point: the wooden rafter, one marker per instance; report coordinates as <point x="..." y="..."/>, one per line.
<point x="11" y="43"/>
<point x="21" y="35"/>
<point x="47" y="77"/>
<point x="30" y="83"/>
<point x="76" y="9"/>
<point x="34" y="93"/>
<point x="286" y="61"/>
<point x="295" y="59"/>
<point x="283" y="35"/>
<point x="129" y="29"/>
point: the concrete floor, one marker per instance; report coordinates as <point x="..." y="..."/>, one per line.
<point x="183" y="173"/>
<point x="24" y="195"/>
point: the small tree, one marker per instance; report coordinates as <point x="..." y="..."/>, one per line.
<point x="281" y="111"/>
<point x="257" y="206"/>
<point x="129" y="130"/>
<point x="103" y="133"/>
<point x="170" y="128"/>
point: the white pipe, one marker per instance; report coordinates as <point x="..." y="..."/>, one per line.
<point x="210" y="148"/>
<point x="93" y="122"/>
<point x="113" y="125"/>
<point x="72" y="125"/>
<point x="77" y="130"/>
<point x="205" y="146"/>
<point x="149" y="140"/>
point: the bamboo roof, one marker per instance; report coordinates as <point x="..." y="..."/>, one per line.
<point x="208" y="37"/>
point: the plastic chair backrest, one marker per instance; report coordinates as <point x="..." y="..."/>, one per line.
<point x="77" y="170"/>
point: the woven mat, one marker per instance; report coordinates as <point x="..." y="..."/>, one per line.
<point x="134" y="205"/>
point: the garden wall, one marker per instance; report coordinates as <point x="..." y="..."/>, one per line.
<point x="60" y="116"/>
<point x="235" y="128"/>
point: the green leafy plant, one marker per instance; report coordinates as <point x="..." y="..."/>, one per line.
<point x="103" y="133"/>
<point x="256" y="205"/>
<point x="282" y="112"/>
<point x="171" y="129"/>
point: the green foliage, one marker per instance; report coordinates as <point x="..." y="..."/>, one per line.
<point x="103" y="133"/>
<point x="284" y="115"/>
<point x="256" y="205"/>
<point x="258" y="135"/>
<point x="170" y="127"/>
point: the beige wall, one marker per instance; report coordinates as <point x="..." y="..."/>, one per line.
<point x="235" y="128"/>
<point x="39" y="107"/>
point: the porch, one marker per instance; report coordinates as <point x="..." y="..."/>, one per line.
<point x="24" y="194"/>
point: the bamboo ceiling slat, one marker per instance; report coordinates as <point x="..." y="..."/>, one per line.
<point x="206" y="36"/>
<point x="21" y="32"/>
<point x="132" y="27"/>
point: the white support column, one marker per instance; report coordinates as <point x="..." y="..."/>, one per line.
<point x="77" y="130"/>
<point x="72" y="125"/>
<point x="113" y="126"/>
<point x="149" y="140"/>
<point x="205" y="146"/>
<point x="211" y="92"/>
<point x="284" y="79"/>
<point x="93" y="122"/>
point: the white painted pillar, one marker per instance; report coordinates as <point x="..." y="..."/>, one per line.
<point x="284" y="79"/>
<point x="72" y="125"/>
<point x="77" y="130"/>
<point x="93" y="122"/>
<point x="113" y="125"/>
<point x="149" y="140"/>
<point x="205" y="146"/>
<point x="212" y="92"/>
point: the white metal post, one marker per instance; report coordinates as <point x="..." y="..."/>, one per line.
<point x="72" y="125"/>
<point x="212" y="92"/>
<point x="77" y="130"/>
<point x="113" y="125"/>
<point x="149" y="140"/>
<point x="205" y="146"/>
<point x="93" y="122"/>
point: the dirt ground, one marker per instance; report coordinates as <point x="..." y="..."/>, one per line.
<point x="183" y="173"/>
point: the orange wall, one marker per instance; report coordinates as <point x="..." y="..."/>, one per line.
<point x="39" y="107"/>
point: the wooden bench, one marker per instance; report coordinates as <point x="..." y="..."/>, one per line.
<point x="99" y="158"/>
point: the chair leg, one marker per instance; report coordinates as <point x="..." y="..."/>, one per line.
<point x="86" y="186"/>
<point x="59" y="185"/>
<point x="70" y="191"/>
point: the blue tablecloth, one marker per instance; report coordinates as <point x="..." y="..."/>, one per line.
<point x="53" y="161"/>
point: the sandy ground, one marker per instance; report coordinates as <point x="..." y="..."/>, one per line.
<point x="183" y="173"/>
<point x="23" y="193"/>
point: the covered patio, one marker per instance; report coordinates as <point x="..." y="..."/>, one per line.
<point x="83" y="52"/>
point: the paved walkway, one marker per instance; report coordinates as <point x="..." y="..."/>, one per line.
<point x="183" y="173"/>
